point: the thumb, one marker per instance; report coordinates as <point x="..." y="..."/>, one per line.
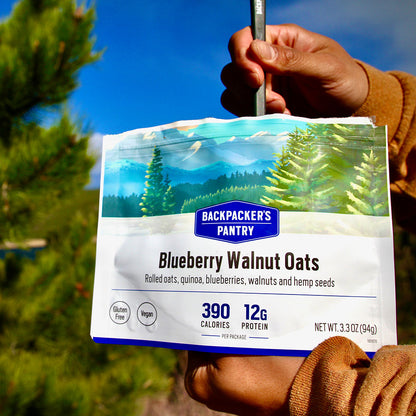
<point x="283" y="60"/>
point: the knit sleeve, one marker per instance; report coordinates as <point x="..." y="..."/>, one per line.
<point x="392" y="101"/>
<point x="339" y="379"/>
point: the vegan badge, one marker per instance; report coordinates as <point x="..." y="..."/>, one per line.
<point x="237" y="221"/>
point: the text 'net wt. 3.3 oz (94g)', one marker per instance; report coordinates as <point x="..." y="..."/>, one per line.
<point x="262" y="235"/>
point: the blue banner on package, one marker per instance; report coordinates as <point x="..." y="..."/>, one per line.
<point x="237" y="221"/>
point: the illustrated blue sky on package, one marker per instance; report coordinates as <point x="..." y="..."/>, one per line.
<point x="262" y="235"/>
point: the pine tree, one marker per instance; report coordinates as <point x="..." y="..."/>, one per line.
<point x="43" y="46"/>
<point x="48" y="363"/>
<point x="158" y="198"/>
<point x="299" y="181"/>
<point x="169" y="198"/>
<point x="368" y="193"/>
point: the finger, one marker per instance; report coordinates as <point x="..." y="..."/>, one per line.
<point x="212" y="383"/>
<point x="295" y="36"/>
<point x="238" y="97"/>
<point x="233" y="78"/>
<point x="196" y="379"/>
<point x="275" y="103"/>
<point x="240" y="104"/>
<point x="283" y="60"/>
<point x="287" y="35"/>
<point x="238" y="47"/>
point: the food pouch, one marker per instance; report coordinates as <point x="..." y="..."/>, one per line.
<point x="262" y="235"/>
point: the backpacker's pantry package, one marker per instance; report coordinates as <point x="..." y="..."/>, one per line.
<point x="261" y="235"/>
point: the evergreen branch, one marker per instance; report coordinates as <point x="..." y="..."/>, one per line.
<point x="43" y="170"/>
<point x="295" y="165"/>
<point x="274" y="189"/>
<point x="363" y="207"/>
<point x="339" y="138"/>
<point x="343" y="128"/>
<point x="337" y="150"/>
<point x="43" y="87"/>
<point x="380" y="206"/>
<point x="357" y="187"/>
<point x="286" y="181"/>
<point x="353" y="210"/>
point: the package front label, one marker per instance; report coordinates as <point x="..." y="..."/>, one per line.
<point x="261" y="235"/>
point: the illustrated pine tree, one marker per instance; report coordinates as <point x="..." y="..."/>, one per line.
<point x="158" y="198"/>
<point x="48" y="363"/>
<point x="299" y="180"/>
<point x="317" y="171"/>
<point x="368" y="192"/>
<point x="334" y="140"/>
<point x="169" y="198"/>
<point x="339" y="143"/>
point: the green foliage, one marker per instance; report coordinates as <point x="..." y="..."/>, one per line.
<point x="56" y="222"/>
<point x="48" y="363"/>
<point x="186" y="193"/>
<point x="12" y="267"/>
<point x="168" y="203"/>
<point x="43" y="46"/>
<point x="367" y="194"/>
<point x="121" y="206"/>
<point x="244" y="193"/>
<point x="317" y="171"/>
<point x="405" y="267"/>
<point x="44" y="166"/>
<point x="158" y="198"/>
<point x="299" y="180"/>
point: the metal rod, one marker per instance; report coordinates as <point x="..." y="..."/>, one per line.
<point x="258" y="28"/>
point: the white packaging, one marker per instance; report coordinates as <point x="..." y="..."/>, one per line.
<point x="260" y="235"/>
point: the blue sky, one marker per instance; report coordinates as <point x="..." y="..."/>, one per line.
<point x="163" y="58"/>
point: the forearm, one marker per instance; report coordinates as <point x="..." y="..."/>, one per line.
<point x="392" y="100"/>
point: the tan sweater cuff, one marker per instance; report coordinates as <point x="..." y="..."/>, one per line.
<point x="384" y="100"/>
<point x="328" y="381"/>
<point x="339" y="379"/>
<point x="392" y="100"/>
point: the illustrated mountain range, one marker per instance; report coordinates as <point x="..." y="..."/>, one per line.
<point x="125" y="177"/>
<point x="187" y="159"/>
